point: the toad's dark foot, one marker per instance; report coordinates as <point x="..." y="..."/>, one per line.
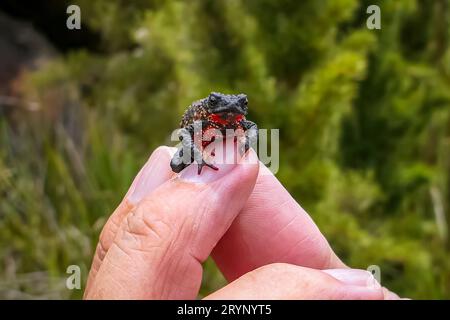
<point x="177" y="163"/>
<point x="251" y="136"/>
<point x="204" y="163"/>
<point x="243" y="146"/>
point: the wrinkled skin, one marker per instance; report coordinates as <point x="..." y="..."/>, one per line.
<point x="154" y="244"/>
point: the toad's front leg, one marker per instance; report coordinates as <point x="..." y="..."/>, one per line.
<point x="251" y="134"/>
<point x="188" y="152"/>
<point x="177" y="163"/>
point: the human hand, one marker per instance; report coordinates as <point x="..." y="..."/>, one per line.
<point x="154" y="243"/>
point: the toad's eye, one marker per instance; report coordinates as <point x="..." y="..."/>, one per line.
<point x="213" y="99"/>
<point x="244" y="101"/>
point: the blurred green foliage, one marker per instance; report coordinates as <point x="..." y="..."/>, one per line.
<point x="363" y="118"/>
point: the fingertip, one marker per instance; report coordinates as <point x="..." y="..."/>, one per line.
<point x="155" y="172"/>
<point x="249" y="164"/>
<point x="227" y="165"/>
<point x="356" y="277"/>
<point x="355" y="284"/>
<point x="242" y="179"/>
<point x="165" y="149"/>
<point x="351" y="292"/>
<point x="389" y="295"/>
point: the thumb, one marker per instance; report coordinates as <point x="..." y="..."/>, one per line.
<point x="161" y="244"/>
<point x="283" y="281"/>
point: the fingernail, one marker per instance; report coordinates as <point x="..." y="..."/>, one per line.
<point x="207" y="175"/>
<point x="354" y="277"/>
<point x="225" y="160"/>
<point x="155" y="172"/>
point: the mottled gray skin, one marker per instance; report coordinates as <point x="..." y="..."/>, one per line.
<point x="218" y="111"/>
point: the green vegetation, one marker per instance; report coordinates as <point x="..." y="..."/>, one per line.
<point x="364" y="119"/>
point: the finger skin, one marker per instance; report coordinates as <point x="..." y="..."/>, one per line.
<point x="356" y="277"/>
<point x="160" y="245"/>
<point x="152" y="175"/>
<point x="281" y="281"/>
<point x="361" y="278"/>
<point x="271" y="228"/>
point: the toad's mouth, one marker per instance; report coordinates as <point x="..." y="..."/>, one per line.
<point x="226" y="117"/>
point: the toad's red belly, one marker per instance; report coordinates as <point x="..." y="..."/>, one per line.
<point x="215" y="118"/>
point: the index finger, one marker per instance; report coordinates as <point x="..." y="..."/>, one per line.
<point x="272" y="227"/>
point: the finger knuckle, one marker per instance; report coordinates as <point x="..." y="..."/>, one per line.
<point x="147" y="229"/>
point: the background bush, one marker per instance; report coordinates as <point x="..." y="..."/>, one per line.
<point x="363" y="118"/>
